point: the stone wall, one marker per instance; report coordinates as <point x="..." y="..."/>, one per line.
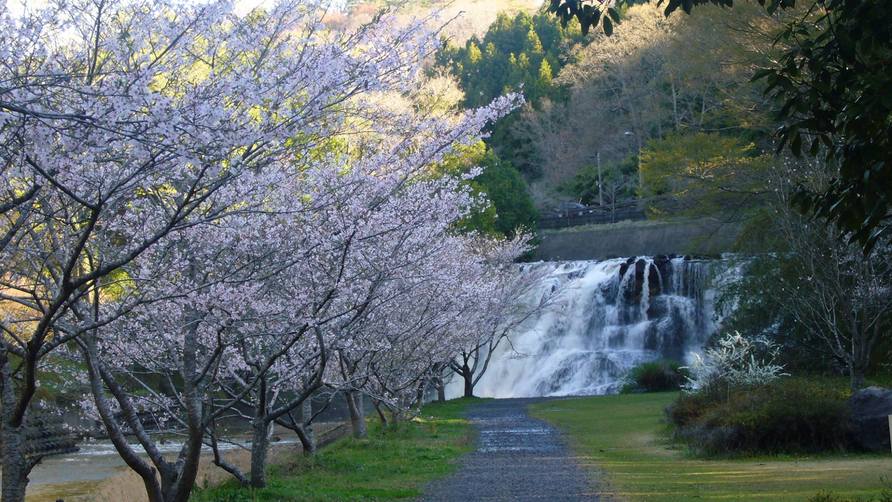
<point x="702" y="237"/>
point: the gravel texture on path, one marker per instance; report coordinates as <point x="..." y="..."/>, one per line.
<point x="517" y="458"/>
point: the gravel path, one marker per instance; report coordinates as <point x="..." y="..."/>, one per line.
<point x="517" y="458"/>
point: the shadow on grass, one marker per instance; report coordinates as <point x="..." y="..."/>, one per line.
<point x="394" y="462"/>
<point x="623" y="437"/>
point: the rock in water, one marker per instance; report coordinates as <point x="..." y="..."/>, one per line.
<point x="870" y="409"/>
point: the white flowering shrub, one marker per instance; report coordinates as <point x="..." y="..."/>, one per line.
<point x="735" y="360"/>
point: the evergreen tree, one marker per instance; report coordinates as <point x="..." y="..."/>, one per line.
<point x="517" y="54"/>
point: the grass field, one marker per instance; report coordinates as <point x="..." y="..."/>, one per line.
<point x="624" y="438"/>
<point x="391" y="464"/>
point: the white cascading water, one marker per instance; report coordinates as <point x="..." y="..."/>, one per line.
<point x="607" y="317"/>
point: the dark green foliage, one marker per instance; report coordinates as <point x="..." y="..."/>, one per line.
<point x="516" y="146"/>
<point x="790" y="415"/>
<point x="511" y="206"/>
<point x="618" y="182"/>
<point x="517" y="54"/>
<point x="835" y="83"/>
<point x="590" y="12"/>
<point x="755" y="308"/>
<point x="656" y="376"/>
<point x="782" y="295"/>
<point x="885" y="496"/>
<point x="688" y="5"/>
<point x="508" y="192"/>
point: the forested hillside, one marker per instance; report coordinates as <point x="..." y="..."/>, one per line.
<point x="661" y="115"/>
<point x="674" y="95"/>
<point x="662" y="111"/>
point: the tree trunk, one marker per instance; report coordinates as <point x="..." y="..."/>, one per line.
<point x="419" y="393"/>
<point x="147" y="473"/>
<point x="183" y="481"/>
<point x="469" y="383"/>
<point x="357" y="414"/>
<point x="12" y="438"/>
<point x="863" y="340"/>
<point x="381" y="414"/>
<point x="856" y="376"/>
<point x="15" y="479"/>
<point x="305" y="429"/>
<point x="307" y="440"/>
<point x="259" y="452"/>
<point x="178" y="482"/>
<point x="441" y="390"/>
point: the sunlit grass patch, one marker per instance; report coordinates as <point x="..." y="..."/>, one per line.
<point x="393" y="463"/>
<point x="623" y="438"/>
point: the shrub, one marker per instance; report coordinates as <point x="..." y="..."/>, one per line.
<point x="656" y="376"/>
<point x="885" y="496"/>
<point x="687" y="409"/>
<point x="788" y="415"/>
<point x="735" y="360"/>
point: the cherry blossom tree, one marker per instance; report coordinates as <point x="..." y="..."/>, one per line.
<point x="127" y="124"/>
<point x="217" y="316"/>
<point x="509" y="298"/>
<point x="116" y="145"/>
<point x="390" y="352"/>
<point x="177" y="207"/>
<point x="438" y="310"/>
<point x="390" y="227"/>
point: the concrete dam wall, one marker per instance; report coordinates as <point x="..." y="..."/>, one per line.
<point x="701" y="237"/>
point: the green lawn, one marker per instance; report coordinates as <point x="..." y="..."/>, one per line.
<point x="623" y="439"/>
<point x="390" y="464"/>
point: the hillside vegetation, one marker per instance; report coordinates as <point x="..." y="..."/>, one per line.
<point x="468" y="17"/>
<point x="663" y="109"/>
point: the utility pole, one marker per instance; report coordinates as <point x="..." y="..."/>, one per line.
<point x="597" y="159"/>
<point x="638" y="142"/>
<point x="600" y="184"/>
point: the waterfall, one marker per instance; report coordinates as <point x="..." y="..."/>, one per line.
<point x="606" y="317"/>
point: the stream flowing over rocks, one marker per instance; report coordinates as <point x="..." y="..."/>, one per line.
<point x="607" y="317"/>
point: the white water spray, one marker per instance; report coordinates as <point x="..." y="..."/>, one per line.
<point x="608" y="317"/>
